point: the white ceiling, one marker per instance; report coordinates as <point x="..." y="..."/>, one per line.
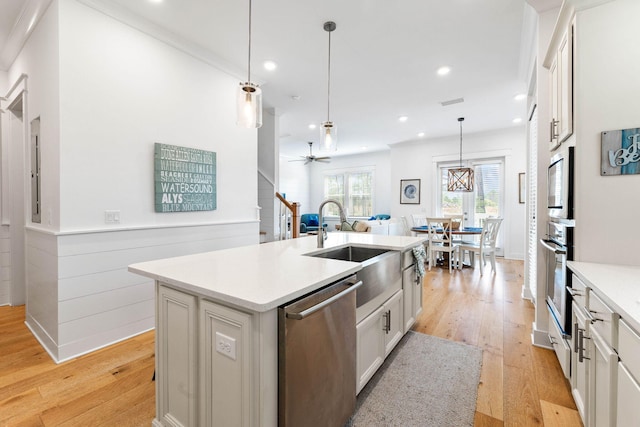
<point x="384" y="57"/>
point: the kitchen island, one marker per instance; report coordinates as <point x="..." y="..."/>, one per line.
<point x="217" y="328"/>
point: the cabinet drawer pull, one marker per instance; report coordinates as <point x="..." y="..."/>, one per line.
<point x="592" y="319"/>
<point x="581" y="338"/>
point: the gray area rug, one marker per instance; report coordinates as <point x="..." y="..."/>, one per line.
<point x="426" y="381"/>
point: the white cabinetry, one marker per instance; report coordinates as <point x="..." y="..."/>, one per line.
<point x="177" y="353"/>
<point x="412" y="288"/>
<point x="560" y="345"/>
<point x="628" y="395"/>
<point x="561" y="88"/>
<point x="212" y="360"/>
<point x="377" y="335"/>
<point x="580" y="361"/>
<point x="594" y="362"/>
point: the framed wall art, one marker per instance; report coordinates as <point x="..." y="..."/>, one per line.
<point x="409" y="191"/>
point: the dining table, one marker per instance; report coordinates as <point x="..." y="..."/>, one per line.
<point x="464" y="231"/>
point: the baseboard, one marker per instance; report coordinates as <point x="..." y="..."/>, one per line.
<point x="540" y="338"/>
<point x="43" y="337"/>
<point x="526" y="294"/>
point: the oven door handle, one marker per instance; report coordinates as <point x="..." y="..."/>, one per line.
<point x="546" y="244"/>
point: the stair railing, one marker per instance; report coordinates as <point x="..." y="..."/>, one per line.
<point x="293" y="210"/>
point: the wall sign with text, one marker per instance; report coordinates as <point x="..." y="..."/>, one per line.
<point x="620" y="152"/>
<point x="185" y="179"/>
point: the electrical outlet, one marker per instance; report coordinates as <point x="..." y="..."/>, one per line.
<point x="112" y="217"/>
<point x="226" y="345"/>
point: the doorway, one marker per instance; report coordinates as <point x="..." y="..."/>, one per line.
<point x="486" y="199"/>
<point x="13" y="194"/>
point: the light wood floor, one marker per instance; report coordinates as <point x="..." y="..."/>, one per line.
<point x="521" y="385"/>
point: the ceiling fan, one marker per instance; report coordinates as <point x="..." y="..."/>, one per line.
<point x="311" y="158"/>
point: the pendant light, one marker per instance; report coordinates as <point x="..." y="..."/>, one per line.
<point x="328" y="129"/>
<point x="249" y="96"/>
<point x="460" y="179"/>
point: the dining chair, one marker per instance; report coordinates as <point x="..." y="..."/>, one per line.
<point x="486" y="245"/>
<point x="419" y="220"/>
<point x="457" y="222"/>
<point x="439" y="232"/>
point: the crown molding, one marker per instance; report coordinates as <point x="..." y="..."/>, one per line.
<point x="159" y="33"/>
<point x="27" y="20"/>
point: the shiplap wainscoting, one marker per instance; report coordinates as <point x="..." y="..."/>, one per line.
<point x="81" y="296"/>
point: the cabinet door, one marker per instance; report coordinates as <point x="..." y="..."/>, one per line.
<point x="565" y="86"/>
<point x="553" y="89"/>
<point x="176" y="357"/>
<point x="393" y="315"/>
<point x="225" y="366"/>
<point x="409" y="290"/>
<point x="627" y="398"/>
<point x="560" y="345"/>
<point x="580" y="369"/>
<point x="370" y="347"/>
<point x="603" y="374"/>
<point x="417" y="296"/>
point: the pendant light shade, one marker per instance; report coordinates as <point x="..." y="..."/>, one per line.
<point x="460" y="179"/>
<point x="328" y="129"/>
<point x="249" y="96"/>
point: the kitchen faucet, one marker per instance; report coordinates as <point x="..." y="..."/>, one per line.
<point x="322" y="234"/>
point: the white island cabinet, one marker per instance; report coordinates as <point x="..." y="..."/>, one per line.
<point x="217" y="325"/>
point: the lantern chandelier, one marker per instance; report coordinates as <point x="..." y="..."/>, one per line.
<point x="249" y="96"/>
<point x="328" y="129"/>
<point x="460" y="178"/>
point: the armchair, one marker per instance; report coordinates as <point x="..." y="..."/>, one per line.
<point x="309" y="222"/>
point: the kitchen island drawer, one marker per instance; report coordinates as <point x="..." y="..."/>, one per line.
<point x="407" y="259"/>
<point x="604" y="320"/>
<point x="579" y="291"/>
<point x="629" y="348"/>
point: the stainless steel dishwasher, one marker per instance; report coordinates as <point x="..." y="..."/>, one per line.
<point x="317" y="357"/>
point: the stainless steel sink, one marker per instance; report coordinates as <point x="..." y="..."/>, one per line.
<point x="381" y="273"/>
<point x="352" y="253"/>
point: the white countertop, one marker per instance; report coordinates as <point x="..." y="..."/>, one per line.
<point x="617" y="285"/>
<point x="262" y="277"/>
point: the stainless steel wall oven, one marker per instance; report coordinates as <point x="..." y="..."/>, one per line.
<point x="559" y="250"/>
<point x="560" y="178"/>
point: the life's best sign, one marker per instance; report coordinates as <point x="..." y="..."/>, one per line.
<point x="185" y="179"/>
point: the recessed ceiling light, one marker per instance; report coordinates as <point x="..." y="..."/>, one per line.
<point x="270" y="65"/>
<point x="517" y="120"/>
<point x="403" y="118"/>
<point x="155" y="1"/>
<point x="363" y="148"/>
<point x="421" y="134"/>
<point x="520" y="96"/>
<point x="312" y="126"/>
<point x="443" y="71"/>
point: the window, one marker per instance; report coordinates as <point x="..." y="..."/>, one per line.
<point x="354" y="190"/>
<point x="487" y="198"/>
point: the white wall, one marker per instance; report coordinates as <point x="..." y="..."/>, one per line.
<point x="418" y="160"/>
<point x="120" y="91"/>
<point x="295" y="183"/>
<point x="39" y="60"/>
<point x="606" y="86"/>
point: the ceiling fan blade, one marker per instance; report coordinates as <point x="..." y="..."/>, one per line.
<point x="307" y="161"/>
<point x="323" y="158"/>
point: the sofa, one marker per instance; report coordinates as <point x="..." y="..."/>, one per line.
<point x="309" y="222"/>
<point x="391" y="227"/>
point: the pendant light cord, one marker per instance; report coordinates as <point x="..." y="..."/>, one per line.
<point x="329" y="77"/>
<point x="461" y="143"/>
<point x="249" y="59"/>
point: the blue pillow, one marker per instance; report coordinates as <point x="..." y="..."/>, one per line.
<point x="312" y="221"/>
<point x="372" y="218"/>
